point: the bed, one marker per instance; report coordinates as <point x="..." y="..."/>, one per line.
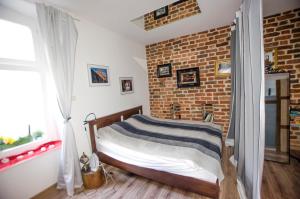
<point x="170" y="152"/>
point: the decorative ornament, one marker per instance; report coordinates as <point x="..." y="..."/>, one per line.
<point x="5" y="160"/>
<point x="84" y="159"/>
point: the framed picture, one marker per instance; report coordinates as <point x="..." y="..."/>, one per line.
<point x="188" y="77"/>
<point x="161" y="12"/>
<point x="222" y="68"/>
<point x="126" y="85"/>
<point x="164" y="70"/>
<point x="178" y="2"/>
<point x="271" y="60"/>
<point x="98" y="75"/>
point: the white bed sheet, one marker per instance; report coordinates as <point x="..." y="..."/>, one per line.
<point x="156" y="162"/>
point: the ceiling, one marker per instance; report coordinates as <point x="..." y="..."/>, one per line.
<point x="116" y="15"/>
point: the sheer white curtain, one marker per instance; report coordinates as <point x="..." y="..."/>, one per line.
<point x="59" y="34"/>
<point x="248" y="108"/>
<point x="250" y="173"/>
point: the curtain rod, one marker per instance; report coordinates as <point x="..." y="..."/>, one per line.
<point x="52" y="5"/>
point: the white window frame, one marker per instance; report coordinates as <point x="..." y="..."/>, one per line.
<point x="21" y="65"/>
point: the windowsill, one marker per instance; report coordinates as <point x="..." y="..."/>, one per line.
<point x="21" y="148"/>
<point x="29" y="154"/>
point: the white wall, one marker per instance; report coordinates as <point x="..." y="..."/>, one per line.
<point x="30" y="177"/>
<point x="95" y="45"/>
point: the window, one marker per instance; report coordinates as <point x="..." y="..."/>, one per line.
<point x="16" y="41"/>
<point x="21" y="105"/>
<point x="22" y="102"/>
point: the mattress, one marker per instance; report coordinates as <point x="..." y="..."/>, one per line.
<point x="163" y="156"/>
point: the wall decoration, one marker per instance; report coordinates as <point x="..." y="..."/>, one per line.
<point x="222" y="68"/>
<point x="271" y="59"/>
<point x="188" y="77"/>
<point x="178" y="2"/>
<point x="126" y="85"/>
<point x="161" y="12"/>
<point x="98" y="75"/>
<point x="164" y="70"/>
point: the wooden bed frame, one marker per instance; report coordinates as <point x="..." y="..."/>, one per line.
<point x="188" y="183"/>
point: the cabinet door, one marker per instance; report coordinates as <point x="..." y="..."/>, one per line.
<point x="271" y="115"/>
<point x="271" y="126"/>
<point x="283" y="107"/>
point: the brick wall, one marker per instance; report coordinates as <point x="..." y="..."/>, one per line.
<point x="202" y="50"/>
<point x="196" y="50"/>
<point x="282" y="31"/>
<point x="176" y="12"/>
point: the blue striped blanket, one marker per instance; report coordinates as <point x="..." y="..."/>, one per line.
<point x="198" y="142"/>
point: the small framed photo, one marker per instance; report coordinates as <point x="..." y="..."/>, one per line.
<point x="126" y="85"/>
<point x="164" y="70"/>
<point x="188" y="77"/>
<point x="222" y="68"/>
<point x="271" y="60"/>
<point x="161" y="12"/>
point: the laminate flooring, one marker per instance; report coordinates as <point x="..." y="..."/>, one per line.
<point x="280" y="181"/>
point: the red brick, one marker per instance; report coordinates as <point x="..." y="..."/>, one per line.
<point x="176" y="12"/>
<point x="216" y="90"/>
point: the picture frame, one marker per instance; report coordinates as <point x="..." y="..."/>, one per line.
<point x="223" y="68"/>
<point x="189" y="77"/>
<point x="178" y="2"/>
<point x="164" y="70"/>
<point x="271" y="60"/>
<point x="161" y="12"/>
<point x="126" y="85"/>
<point x="98" y="75"/>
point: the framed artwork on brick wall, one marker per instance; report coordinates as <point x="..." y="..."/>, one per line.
<point x="164" y="70"/>
<point x="189" y="77"/>
<point x="161" y="12"/>
<point x="222" y="68"/>
<point x="271" y="59"/>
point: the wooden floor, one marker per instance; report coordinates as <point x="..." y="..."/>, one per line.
<point x="279" y="182"/>
<point x="276" y="156"/>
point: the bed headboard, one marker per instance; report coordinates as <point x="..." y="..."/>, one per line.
<point x="110" y="119"/>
